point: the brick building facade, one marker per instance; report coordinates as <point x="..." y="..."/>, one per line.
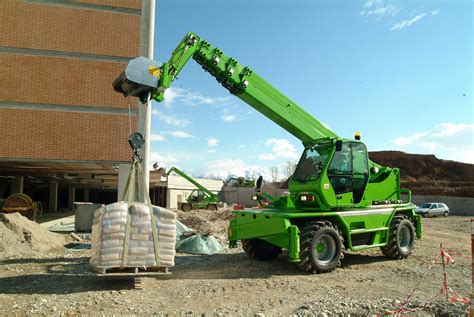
<point x="63" y="126"/>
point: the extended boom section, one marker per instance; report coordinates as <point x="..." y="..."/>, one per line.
<point x="255" y="91"/>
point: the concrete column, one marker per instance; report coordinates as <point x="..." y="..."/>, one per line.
<point x="124" y="171"/>
<point x="71" y="197"/>
<point x="86" y="194"/>
<point x="17" y="185"/>
<point x="53" y="196"/>
<point x="168" y="198"/>
<point x="144" y="110"/>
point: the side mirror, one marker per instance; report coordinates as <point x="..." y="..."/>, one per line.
<point x="259" y="183"/>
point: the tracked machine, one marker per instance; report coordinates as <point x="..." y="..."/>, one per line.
<point x="338" y="198"/>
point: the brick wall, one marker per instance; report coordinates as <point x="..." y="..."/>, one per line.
<point x="54" y="55"/>
<point x="52" y="80"/>
<point x="64" y="135"/>
<point x="56" y="28"/>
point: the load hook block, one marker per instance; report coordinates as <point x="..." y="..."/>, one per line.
<point x="136" y="142"/>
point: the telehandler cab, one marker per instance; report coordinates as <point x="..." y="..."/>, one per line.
<point x="339" y="199"/>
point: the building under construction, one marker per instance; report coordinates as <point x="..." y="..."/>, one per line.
<point x="64" y="128"/>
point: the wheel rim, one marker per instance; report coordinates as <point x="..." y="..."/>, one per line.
<point x="404" y="239"/>
<point x="325" y="248"/>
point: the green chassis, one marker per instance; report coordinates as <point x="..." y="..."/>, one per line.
<point x="280" y="227"/>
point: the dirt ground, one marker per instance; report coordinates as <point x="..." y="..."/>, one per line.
<point x="231" y="284"/>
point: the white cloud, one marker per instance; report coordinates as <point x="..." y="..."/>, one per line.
<point x="229" y="118"/>
<point x="162" y="160"/>
<point x="211" y="150"/>
<point x="406" y="23"/>
<point x="446" y="140"/>
<point x="450" y="129"/>
<point x="267" y="157"/>
<point x="172" y="120"/>
<point x="402" y="141"/>
<point x="189" y="97"/>
<point x="380" y="8"/>
<point x="466" y="156"/>
<point x="212" y="141"/>
<point x="171" y="94"/>
<point x="157" y="137"/>
<point x="371" y="3"/>
<point x="181" y="134"/>
<point x="435" y="12"/>
<point x="281" y="148"/>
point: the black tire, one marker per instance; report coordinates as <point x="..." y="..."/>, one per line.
<point x="260" y="250"/>
<point x="401" y="238"/>
<point x="186" y="207"/>
<point x="321" y="247"/>
<point x="445" y="214"/>
<point x="211" y="207"/>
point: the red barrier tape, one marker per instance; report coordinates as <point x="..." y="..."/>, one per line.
<point x="459" y="254"/>
<point x="451" y="295"/>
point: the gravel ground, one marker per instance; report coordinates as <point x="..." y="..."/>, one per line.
<point x="231" y="284"/>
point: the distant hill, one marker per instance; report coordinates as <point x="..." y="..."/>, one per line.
<point x="428" y="175"/>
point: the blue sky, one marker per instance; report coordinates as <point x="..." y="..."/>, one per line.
<point x="400" y="72"/>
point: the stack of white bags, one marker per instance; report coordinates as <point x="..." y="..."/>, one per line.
<point x="109" y="236"/>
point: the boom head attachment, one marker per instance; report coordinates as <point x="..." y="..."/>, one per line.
<point x="136" y="82"/>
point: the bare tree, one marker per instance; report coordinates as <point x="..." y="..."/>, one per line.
<point x="274" y="172"/>
<point x="290" y="167"/>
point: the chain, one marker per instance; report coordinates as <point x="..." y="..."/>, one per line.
<point x="129" y="116"/>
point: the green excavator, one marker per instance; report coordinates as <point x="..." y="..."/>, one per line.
<point x="200" y="198"/>
<point x="338" y="198"/>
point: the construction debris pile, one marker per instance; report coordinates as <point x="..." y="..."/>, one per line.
<point x="21" y="237"/>
<point x="208" y="222"/>
<point x="129" y="235"/>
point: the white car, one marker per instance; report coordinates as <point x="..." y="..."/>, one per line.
<point x="433" y="209"/>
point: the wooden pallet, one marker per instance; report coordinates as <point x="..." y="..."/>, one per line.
<point x="132" y="271"/>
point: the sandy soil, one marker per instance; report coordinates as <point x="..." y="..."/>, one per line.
<point x="231" y="284"/>
<point x="20" y="236"/>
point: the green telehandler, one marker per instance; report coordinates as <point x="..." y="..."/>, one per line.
<point x="235" y="181"/>
<point x="338" y="198"/>
<point x="200" y="198"/>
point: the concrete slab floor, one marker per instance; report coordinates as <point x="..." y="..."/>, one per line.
<point x="50" y="219"/>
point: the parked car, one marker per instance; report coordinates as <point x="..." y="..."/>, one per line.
<point x="433" y="209"/>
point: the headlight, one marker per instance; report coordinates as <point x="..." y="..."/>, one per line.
<point x="303" y="198"/>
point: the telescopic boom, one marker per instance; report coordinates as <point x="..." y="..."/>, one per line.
<point x="239" y="80"/>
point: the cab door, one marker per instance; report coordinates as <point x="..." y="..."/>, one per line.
<point x="360" y="170"/>
<point x="340" y="175"/>
<point x="348" y="173"/>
